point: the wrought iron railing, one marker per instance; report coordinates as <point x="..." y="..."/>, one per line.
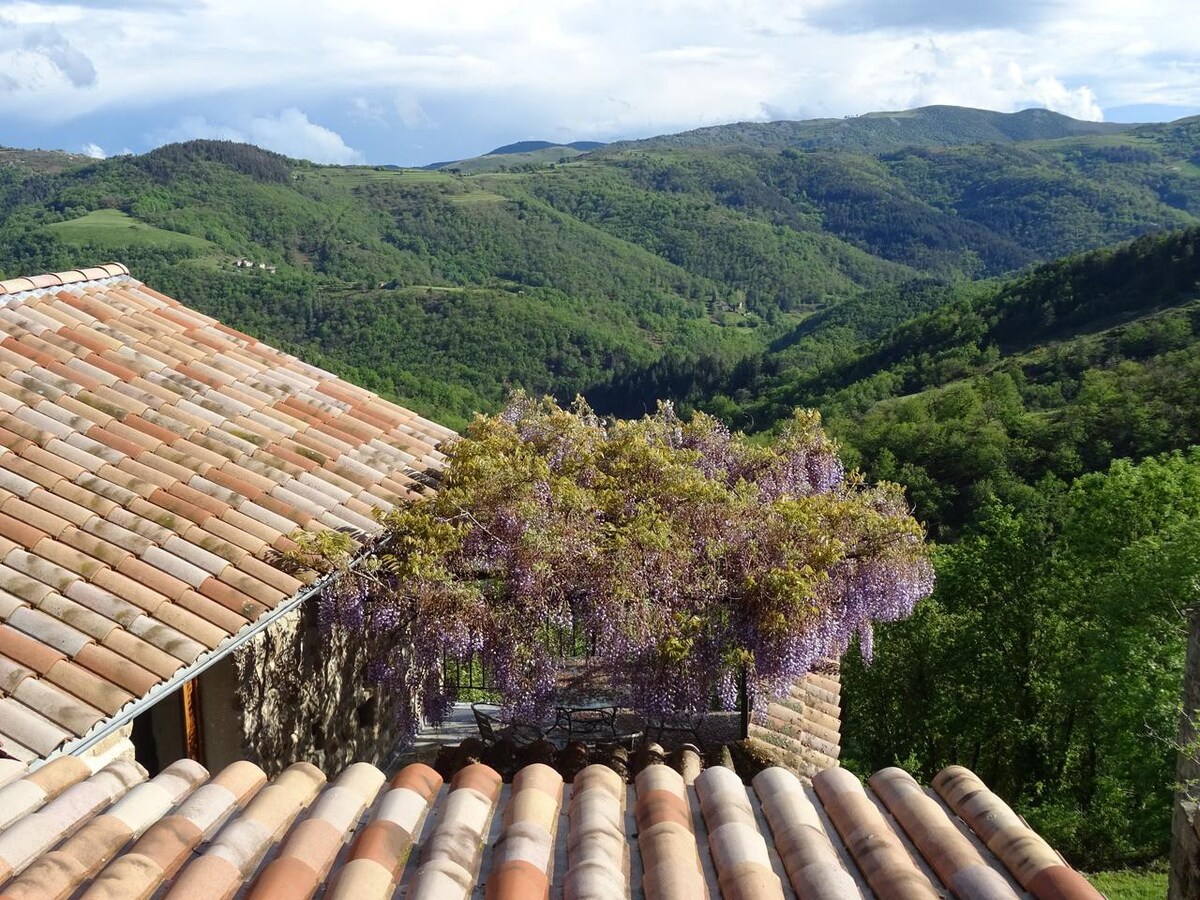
<point x="473" y="681"/>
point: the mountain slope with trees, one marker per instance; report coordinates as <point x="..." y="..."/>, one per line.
<point x="1040" y="425"/>
<point x="881" y="131"/>
<point x="647" y="267"/>
<point x="1057" y="372"/>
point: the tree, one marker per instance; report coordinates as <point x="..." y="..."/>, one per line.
<point x="1184" y="881"/>
<point x="1049" y="660"/>
<point x="687" y="555"/>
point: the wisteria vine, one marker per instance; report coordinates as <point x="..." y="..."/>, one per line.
<point x="685" y="554"/>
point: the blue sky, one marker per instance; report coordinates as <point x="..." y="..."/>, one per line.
<point x="404" y="83"/>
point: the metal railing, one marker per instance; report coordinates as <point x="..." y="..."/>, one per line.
<point x="472" y="680"/>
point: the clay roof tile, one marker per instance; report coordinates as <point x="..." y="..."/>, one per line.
<point x="83" y="498"/>
<point x="148" y="457"/>
<point x="224" y="531"/>
<point x="200" y="619"/>
<point x="28" y="651"/>
<point x="117" y="669"/>
<point x="88" y="687"/>
<point x="233" y="599"/>
<point x="154" y="646"/>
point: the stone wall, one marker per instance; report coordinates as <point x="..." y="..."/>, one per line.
<point x="114" y="747"/>
<point x="802" y="730"/>
<point x="300" y="695"/>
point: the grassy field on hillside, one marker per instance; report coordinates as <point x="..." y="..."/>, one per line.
<point x="476" y="197"/>
<point x="113" y="228"/>
<point x="353" y="176"/>
<point x="498" y="162"/>
<point x="1130" y="885"/>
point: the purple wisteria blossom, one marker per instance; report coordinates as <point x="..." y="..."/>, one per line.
<point x="681" y="556"/>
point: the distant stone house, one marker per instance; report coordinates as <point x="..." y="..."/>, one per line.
<point x="153" y="463"/>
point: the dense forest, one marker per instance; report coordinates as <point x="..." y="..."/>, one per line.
<point x="1000" y="313"/>
<point x="1050" y="657"/>
<point x="621" y="272"/>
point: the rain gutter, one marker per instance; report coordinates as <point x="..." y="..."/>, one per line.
<point x="161" y="691"/>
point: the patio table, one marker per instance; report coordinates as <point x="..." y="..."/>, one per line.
<point x="586" y="718"/>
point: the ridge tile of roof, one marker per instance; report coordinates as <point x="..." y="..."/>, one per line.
<point x="151" y="462"/>
<point x="65" y="832"/>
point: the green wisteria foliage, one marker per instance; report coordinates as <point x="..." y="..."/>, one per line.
<point x="683" y="554"/>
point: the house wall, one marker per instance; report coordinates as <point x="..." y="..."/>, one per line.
<point x="301" y="695"/>
<point x="116" y="746"/>
<point x="221" y="720"/>
<point x="166" y="723"/>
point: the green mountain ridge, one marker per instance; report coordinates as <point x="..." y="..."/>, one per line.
<point x="519" y="155"/>
<point x="1047" y="429"/>
<point x="526" y="146"/>
<point x="41" y="161"/>
<point x="618" y="274"/>
<point x="991" y="321"/>
<point x="1055" y="372"/>
<point x="881" y="131"/>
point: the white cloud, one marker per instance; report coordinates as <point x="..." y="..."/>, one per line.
<point x="292" y="133"/>
<point x="1080" y="103"/>
<point x="366" y="110"/>
<point x="411" y="113"/>
<point x="289" y="132"/>
<point x="955" y="69"/>
<point x="192" y="127"/>
<point x="95" y="151"/>
<point x="39" y="56"/>
<point x="593" y="67"/>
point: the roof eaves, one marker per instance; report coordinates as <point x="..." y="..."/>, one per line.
<point x="164" y="689"/>
<point x="58" y="279"/>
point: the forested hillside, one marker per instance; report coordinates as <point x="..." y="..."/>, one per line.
<point x="1056" y="372"/>
<point x="1050" y="657"/>
<point x="881" y="131"/>
<point x="624" y="274"/>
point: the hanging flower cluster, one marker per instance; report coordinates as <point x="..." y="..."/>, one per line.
<point x="683" y="552"/>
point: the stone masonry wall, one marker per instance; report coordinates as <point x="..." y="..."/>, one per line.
<point x="802" y="729"/>
<point x="304" y="696"/>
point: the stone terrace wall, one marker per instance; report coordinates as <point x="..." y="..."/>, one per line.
<point x="302" y="695"/>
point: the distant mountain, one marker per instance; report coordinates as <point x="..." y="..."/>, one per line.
<point x="531" y="146"/>
<point x="619" y="274"/>
<point x="519" y="154"/>
<point x="46" y="162"/>
<point x="1061" y="368"/>
<point x="878" y="132"/>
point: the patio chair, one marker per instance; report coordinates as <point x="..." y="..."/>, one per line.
<point x="677" y="723"/>
<point x="492" y="730"/>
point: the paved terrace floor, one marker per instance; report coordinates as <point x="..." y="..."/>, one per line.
<point x="459" y="726"/>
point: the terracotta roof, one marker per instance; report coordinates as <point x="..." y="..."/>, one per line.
<point x="150" y="460"/>
<point x="67" y="833"/>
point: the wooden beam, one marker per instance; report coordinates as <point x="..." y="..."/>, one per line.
<point x="193" y="726"/>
